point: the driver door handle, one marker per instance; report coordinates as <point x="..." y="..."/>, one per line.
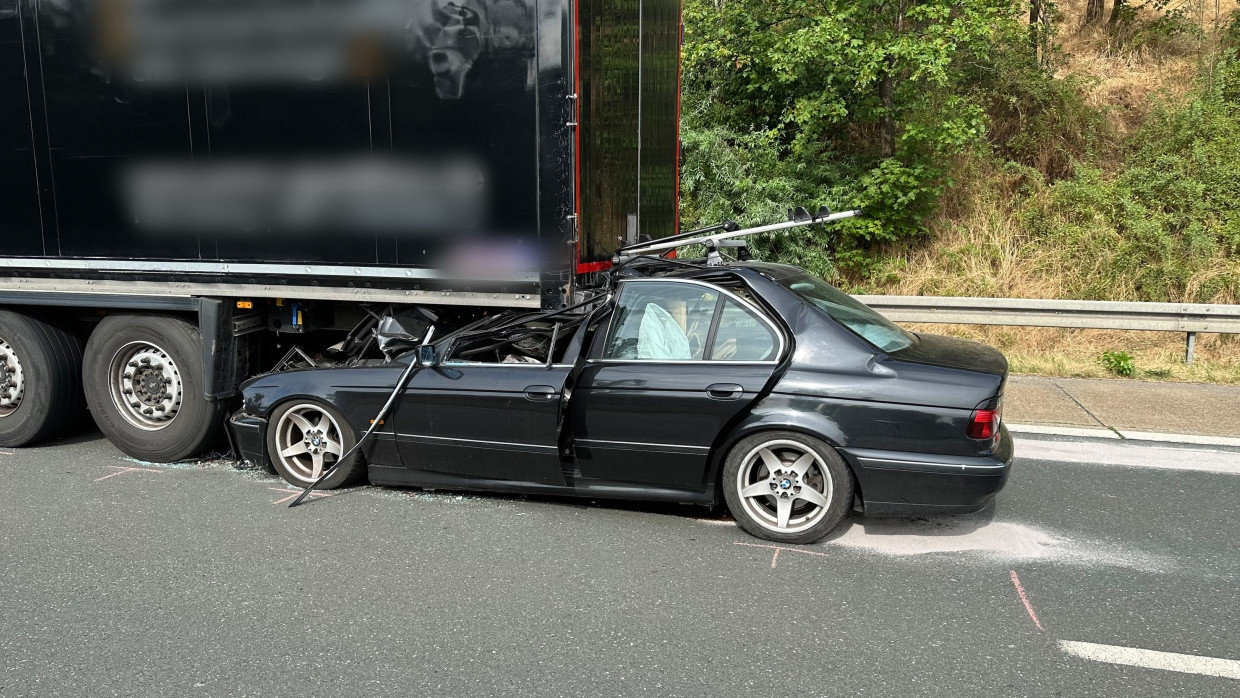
<point x="725" y="391"/>
<point x="541" y="393"/>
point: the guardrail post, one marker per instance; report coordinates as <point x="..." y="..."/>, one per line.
<point x="1189" y="345"/>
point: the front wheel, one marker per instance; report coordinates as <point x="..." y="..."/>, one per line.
<point x="306" y="438"/>
<point x="786" y="487"/>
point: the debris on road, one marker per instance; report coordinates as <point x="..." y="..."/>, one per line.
<point x="996" y="539"/>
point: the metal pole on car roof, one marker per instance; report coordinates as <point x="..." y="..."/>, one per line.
<point x="714" y="239"/>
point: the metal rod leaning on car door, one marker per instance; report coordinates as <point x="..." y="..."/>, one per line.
<point x="555" y="335"/>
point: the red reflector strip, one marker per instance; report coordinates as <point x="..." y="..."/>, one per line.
<point x="588" y="267"/>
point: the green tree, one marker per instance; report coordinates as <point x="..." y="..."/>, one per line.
<point x="860" y="103"/>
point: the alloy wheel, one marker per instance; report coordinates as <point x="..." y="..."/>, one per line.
<point x="308" y="441"/>
<point x="784" y="486"/>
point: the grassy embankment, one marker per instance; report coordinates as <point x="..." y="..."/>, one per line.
<point x="1127" y="196"/>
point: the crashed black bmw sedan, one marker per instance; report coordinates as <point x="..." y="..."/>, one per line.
<point x="751" y="384"/>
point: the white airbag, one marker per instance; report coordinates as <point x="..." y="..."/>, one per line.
<point x="660" y="336"/>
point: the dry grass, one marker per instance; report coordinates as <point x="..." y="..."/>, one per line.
<point x="1127" y="88"/>
<point x="977" y="246"/>
<point x="1127" y="84"/>
<point x="979" y="249"/>
<point x="1076" y="353"/>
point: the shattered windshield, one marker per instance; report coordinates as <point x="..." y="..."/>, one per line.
<point x="849" y="312"/>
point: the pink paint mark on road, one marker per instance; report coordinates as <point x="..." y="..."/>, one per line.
<point x="6" y="453"/>
<point x="777" y="549"/>
<point x="1024" y="598"/>
<point x="121" y="470"/>
<point x="293" y="494"/>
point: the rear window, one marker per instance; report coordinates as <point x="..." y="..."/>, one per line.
<point x="849" y="312"/>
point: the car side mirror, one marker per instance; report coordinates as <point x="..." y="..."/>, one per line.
<point x="427" y="356"/>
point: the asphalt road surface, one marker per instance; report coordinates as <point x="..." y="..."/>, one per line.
<point x="1111" y="570"/>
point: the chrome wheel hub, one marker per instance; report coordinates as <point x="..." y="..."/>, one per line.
<point x="784" y="486"/>
<point x="146" y="385"/>
<point x="12" y="380"/>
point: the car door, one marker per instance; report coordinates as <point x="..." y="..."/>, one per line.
<point x="679" y="360"/>
<point x="483" y="422"/>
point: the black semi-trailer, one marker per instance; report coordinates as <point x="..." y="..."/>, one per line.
<point x="188" y="187"/>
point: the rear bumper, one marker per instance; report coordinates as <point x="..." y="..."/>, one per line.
<point x="249" y="433"/>
<point x="895" y="483"/>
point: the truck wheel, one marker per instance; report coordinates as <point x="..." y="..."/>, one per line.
<point x="40" y="379"/>
<point x="143" y="378"/>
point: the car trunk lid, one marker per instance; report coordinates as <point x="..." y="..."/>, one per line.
<point x="950" y="352"/>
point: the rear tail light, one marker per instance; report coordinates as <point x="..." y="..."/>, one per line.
<point x="984" y="424"/>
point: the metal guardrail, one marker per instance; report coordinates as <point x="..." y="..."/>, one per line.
<point x="1189" y="318"/>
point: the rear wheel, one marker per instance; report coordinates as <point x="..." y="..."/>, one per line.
<point x="144" y="385"/>
<point x="40" y="379"/>
<point x="306" y="438"/>
<point x="786" y="487"/>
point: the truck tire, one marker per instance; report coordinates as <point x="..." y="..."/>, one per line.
<point x="40" y="379"/>
<point x="144" y="386"/>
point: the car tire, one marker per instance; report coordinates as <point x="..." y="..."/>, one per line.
<point x="128" y="357"/>
<point x="786" y="486"/>
<point x="40" y="379"/>
<point x="304" y="439"/>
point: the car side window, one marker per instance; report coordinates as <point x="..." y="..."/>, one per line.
<point x="662" y="321"/>
<point x="742" y="336"/>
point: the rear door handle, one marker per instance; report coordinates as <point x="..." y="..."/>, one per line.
<point x="540" y="393"/>
<point x="725" y="391"/>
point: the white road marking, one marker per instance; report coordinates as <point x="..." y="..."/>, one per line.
<point x="1090" y="432"/>
<point x="1128" y="434"/>
<point x="1180" y="438"/>
<point x="1151" y="659"/>
<point x="1130" y="455"/>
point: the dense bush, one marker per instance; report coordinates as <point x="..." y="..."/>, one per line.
<point x="826" y="102"/>
<point x="1040" y="120"/>
<point x="1168" y="223"/>
<point x="887" y="104"/>
<point x="1168" y="32"/>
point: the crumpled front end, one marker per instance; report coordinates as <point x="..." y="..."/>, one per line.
<point x="249" y="437"/>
